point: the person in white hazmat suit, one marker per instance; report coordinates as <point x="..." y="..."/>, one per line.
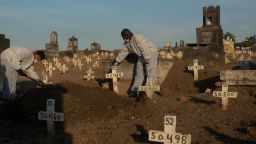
<point x="147" y="58"/>
<point x="14" y="61"/>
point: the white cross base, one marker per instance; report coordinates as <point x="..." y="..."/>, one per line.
<point x="114" y="75"/>
<point x="224" y="94"/>
<point x="50" y="115"/>
<point x="169" y="135"/>
<point x="149" y="88"/>
<point x="195" y="68"/>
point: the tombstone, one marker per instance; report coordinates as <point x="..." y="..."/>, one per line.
<point x="195" y="68"/>
<point x="149" y="88"/>
<point x="52" y="48"/>
<point x="50" y="69"/>
<point x="4" y="43"/>
<point x="45" y="77"/>
<point x="51" y="116"/>
<point x="95" y="46"/>
<point x="73" y="44"/>
<point x="169" y="135"/>
<point x="114" y="75"/>
<point x="224" y="94"/>
<point x="64" y="68"/>
<point x="89" y="74"/>
<point x="80" y="65"/>
<point x="209" y="39"/>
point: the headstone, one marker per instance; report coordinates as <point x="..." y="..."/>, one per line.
<point x="195" y="68"/>
<point x="50" y="115"/>
<point x="89" y="74"/>
<point x="149" y="88"/>
<point x="114" y="75"/>
<point x="64" y="68"/>
<point x="224" y="94"/>
<point x="50" y="69"/>
<point x="169" y="135"/>
<point x="80" y="65"/>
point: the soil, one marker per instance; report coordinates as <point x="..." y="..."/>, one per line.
<point x="94" y="115"/>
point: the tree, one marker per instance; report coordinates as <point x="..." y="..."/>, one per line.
<point x="231" y="36"/>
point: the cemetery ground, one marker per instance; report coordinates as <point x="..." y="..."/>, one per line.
<point x="94" y="115"/>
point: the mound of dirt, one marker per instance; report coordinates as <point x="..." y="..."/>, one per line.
<point x="76" y="101"/>
<point x="178" y="82"/>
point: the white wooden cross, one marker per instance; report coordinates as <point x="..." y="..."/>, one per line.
<point x="45" y="63"/>
<point x="195" y="68"/>
<point x="80" y="65"/>
<point x="89" y="74"/>
<point x="149" y="88"/>
<point x="64" y="68"/>
<point x="74" y="62"/>
<point x="224" y="94"/>
<point x="50" y="69"/>
<point x="169" y="135"/>
<point x="44" y="77"/>
<point x="55" y="60"/>
<point x="114" y="76"/>
<point x="50" y="115"/>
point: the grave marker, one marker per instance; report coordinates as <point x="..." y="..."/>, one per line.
<point x="89" y="75"/>
<point x="50" y="69"/>
<point x="169" y="135"/>
<point x="50" y="115"/>
<point x="195" y="68"/>
<point x="149" y="88"/>
<point x="64" y="68"/>
<point x="224" y="94"/>
<point x="114" y="76"/>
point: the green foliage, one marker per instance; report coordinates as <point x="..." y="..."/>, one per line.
<point x="231" y="36"/>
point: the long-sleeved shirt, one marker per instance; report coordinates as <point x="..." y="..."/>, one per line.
<point x="139" y="45"/>
<point x="20" y="58"/>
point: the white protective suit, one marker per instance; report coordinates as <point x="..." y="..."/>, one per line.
<point x="147" y="52"/>
<point x="13" y="59"/>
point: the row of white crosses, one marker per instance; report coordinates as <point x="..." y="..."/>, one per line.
<point x="169" y="135"/>
<point x="170" y="54"/>
<point x="224" y="94"/>
<point x="50" y="116"/>
<point x="195" y="68"/>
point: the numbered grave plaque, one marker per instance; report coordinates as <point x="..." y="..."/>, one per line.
<point x="169" y="135"/>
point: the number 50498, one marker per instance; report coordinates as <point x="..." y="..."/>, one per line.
<point x="175" y="138"/>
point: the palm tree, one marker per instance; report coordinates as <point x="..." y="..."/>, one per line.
<point x="231" y="36"/>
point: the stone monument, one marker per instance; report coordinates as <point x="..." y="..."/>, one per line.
<point x="52" y="48"/>
<point x="209" y="38"/>
<point x="95" y="46"/>
<point x="73" y="44"/>
<point x="4" y="43"/>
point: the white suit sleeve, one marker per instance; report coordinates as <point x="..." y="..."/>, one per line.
<point x="122" y="54"/>
<point x="31" y="73"/>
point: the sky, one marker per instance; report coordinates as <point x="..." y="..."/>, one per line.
<point x="28" y="23"/>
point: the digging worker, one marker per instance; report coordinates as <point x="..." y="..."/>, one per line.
<point x="147" y="58"/>
<point x="18" y="60"/>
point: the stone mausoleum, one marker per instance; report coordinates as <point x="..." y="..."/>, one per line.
<point x="209" y="38"/>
